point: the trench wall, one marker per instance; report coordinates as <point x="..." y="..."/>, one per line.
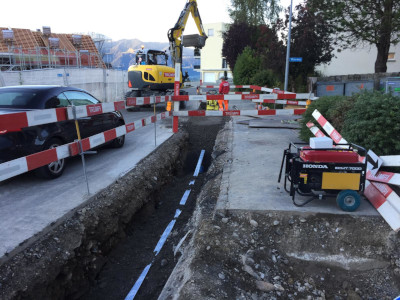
<point x="68" y="255"/>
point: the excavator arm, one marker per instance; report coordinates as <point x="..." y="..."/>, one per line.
<point x="177" y="40"/>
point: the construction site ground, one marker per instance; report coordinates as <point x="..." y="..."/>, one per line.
<point x="248" y="240"/>
<point x="239" y="236"/>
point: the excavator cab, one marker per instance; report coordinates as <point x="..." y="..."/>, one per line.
<point x="151" y="57"/>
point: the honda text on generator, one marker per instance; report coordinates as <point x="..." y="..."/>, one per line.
<point x="330" y="170"/>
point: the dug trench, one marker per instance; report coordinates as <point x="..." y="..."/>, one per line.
<point x="98" y="250"/>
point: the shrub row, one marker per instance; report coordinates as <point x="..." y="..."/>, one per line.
<point x="369" y="119"/>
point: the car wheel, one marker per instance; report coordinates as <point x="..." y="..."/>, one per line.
<point x="348" y="200"/>
<point x="55" y="169"/>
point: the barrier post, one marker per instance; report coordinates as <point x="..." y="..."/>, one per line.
<point x="155" y="122"/>
<point x="80" y="147"/>
<point x="175" y="121"/>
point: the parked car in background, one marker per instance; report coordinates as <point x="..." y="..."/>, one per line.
<point x="29" y="140"/>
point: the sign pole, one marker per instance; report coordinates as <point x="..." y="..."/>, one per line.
<point x="288" y="48"/>
<point x="175" y="123"/>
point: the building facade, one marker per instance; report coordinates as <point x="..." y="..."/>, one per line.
<point x="360" y="60"/>
<point x="213" y="64"/>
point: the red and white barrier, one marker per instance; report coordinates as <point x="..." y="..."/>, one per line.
<point x="379" y="194"/>
<point x="284" y="102"/>
<point x="315" y="130"/>
<point x="16" y="121"/>
<point x="24" y="164"/>
<point x="216" y="113"/>
<point x="382" y="205"/>
<point x="329" y="129"/>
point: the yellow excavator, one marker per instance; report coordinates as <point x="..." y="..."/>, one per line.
<point x="151" y="74"/>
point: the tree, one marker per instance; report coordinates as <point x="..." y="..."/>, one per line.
<point x="375" y="22"/>
<point x="254" y="12"/>
<point x="246" y="66"/>
<point x="236" y="38"/>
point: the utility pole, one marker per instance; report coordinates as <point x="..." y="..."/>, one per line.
<point x="288" y="48"/>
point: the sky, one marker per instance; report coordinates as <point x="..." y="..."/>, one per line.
<point x="147" y="21"/>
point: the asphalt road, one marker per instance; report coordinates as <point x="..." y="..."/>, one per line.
<point x="29" y="204"/>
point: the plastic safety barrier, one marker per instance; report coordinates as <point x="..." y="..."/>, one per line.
<point x="211" y="113"/>
<point x="24" y="164"/>
<point x="377" y="191"/>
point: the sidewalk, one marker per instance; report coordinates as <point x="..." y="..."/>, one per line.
<point x="250" y="181"/>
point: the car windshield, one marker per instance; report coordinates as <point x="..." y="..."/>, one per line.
<point x="17" y="99"/>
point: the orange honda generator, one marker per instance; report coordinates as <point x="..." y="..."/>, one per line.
<point x="323" y="172"/>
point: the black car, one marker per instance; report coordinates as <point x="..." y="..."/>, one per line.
<point x="34" y="139"/>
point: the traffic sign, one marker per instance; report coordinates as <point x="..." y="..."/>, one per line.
<point x="296" y="59"/>
<point x="374" y="162"/>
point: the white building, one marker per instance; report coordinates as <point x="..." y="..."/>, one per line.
<point x="213" y="64"/>
<point x="359" y="61"/>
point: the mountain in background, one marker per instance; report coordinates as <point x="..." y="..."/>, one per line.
<point x="122" y="55"/>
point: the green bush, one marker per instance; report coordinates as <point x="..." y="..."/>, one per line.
<point x="333" y="108"/>
<point x="265" y="78"/>
<point x="374" y="123"/>
<point x="246" y="65"/>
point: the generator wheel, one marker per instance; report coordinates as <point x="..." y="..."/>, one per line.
<point x="348" y="200"/>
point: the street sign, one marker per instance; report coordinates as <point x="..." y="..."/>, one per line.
<point x="374" y="162"/>
<point x="296" y="59"/>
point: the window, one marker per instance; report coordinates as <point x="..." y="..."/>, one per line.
<point x="391" y="56"/>
<point x="80" y="98"/>
<point x="63" y="100"/>
<point x="224" y="64"/>
<point x="146" y="76"/>
<point x="211" y="32"/>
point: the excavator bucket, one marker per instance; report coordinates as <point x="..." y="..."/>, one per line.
<point x="194" y="40"/>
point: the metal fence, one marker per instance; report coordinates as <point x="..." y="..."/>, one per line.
<point x="42" y="58"/>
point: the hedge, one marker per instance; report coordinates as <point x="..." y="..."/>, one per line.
<point x="369" y="119"/>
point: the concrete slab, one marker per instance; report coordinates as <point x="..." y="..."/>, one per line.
<point x="250" y="178"/>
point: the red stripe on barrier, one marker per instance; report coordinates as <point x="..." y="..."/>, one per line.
<point x="309" y="124"/>
<point x="153" y="119"/>
<point x="110" y="135"/>
<point x="86" y="144"/>
<point x="62" y="114"/>
<point x="119" y="105"/>
<point x="231" y="113"/>
<point x="299" y="111"/>
<point x="162" y="115"/>
<point x="209" y="86"/>
<point x="250" y="96"/>
<point x="336" y="136"/>
<point x="13" y="121"/>
<point x="255" y="87"/>
<point x="146" y="100"/>
<point x="322" y="121"/>
<point x="239" y="86"/>
<point x="269" y="101"/>
<point x="41" y="159"/>
<point x="286" y="96"/>
<point x="158" y="99"/>
<point x="215" y="97"/>
<point x="130" y="127"/>
<point x="131" y="101"/>
<point x="180" y="98"/>
<point x="196" y="113"/>
<point x="374" y="196"/>
<point x="143" y="122"/>
<point x="380" y="176"/>
<point x="275" y="91"/>
<point x="289" y="102"/>
<point x="384" y="189"/>
<point x="94" y="109"/>
<point x="267" y="112"/>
